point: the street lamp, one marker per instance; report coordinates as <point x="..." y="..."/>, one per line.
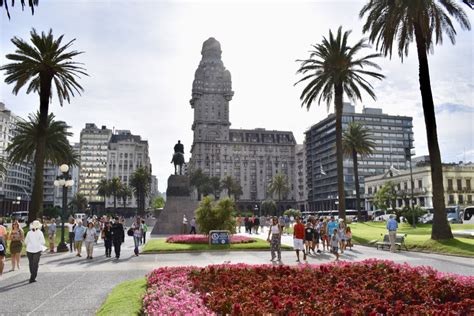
<point x="65" y="182"/>
<point x="17" y="202"/>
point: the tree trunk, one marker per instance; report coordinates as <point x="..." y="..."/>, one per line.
<point x="115" y="203"/>
<point x="338" y="91"/>
<point x="36" y="208"/>
<point x="440" y="228"/>
<point x="356" y="183"/>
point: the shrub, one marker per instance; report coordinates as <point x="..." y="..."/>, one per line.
<point x="292" y="212"/>
<point x="215" y="215"/>
<point x="408" y="214"/>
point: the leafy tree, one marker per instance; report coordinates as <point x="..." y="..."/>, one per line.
<point x="115" y="185"/>
<point x="293" y="212"/>
<point x="200" y="181"/>
<point x="79" y="203"/>
<point x="386" y="197"/>
<point x="125" y="193"/>
<point x="31" y="4"/>
<point x="52" y="212"/>
<point x="232" y="187"/>
<point x="279" y="186"/>
<point x="357" y="140"/>
<point x="268" y="207"/>
<point x="103" y="189"/>
<point x="332" y="70"/>
<point x="40" y="64"/>
<point x="158" y="202"/>
<point x="140" y="181"/>
<point x="213" y="215"/>
<point x="423" y="21"/>
<point x="215" y="184"/>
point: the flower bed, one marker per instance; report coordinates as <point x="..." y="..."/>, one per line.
<point x="370" y="287"/>
<point x="203" y="239"/>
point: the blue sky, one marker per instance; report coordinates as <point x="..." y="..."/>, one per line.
<point x="141" y="57"/>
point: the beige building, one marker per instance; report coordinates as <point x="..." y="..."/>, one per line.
<point x="250" y="156"/>
<point x="457" y="181"/>
<point x="301" y="189"/>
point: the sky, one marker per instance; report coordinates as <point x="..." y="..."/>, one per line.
<point x="141" y="57"/>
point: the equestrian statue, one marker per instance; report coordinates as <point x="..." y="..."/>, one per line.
<point x="178" y="158"/>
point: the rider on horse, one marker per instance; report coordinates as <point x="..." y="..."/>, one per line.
<point x="178" y="157"/>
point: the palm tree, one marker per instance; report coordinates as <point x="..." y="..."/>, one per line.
<point x="31" y="4"/>
<point x="333" y="69"/>
<point x="200" y="181"/>
<point x="57" y="150"/>
<point x="357" y="140"/>
<point x="232" y="187"/>
<point x="125" y="193"/>
<point x="140" y="181"/>
<point x="279" y="185"/>
<point x="115" y="186"/>
<point x="424" y="21"/>
<point x="39" y="65"/>
<point x="79" y="203"/>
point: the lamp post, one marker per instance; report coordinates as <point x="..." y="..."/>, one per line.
<point x="17" y="202"/>
<point x="65" y="182"/>
<point x="412" y="183"/>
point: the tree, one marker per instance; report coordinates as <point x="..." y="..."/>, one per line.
<point x="215" y="183"/>
<point x="215" y="216"/>
<point x="158" y="202"/>
<point x="39" y="65"/>
<point x="31" y="4"/>
<point x="268" y="207"/>
<point x="115" y="185"/>
<point x="292" y="212"/>
<point x="424" y="21"/>
<point x="232" y="187"/>
<point x="279" y="186"/>
<point x="333" y="69"/>
<point x="200" y="181"/>
<point x="357" y="140"/>
<point x="103" y="189"/>
<point x="140" y="181"/>
<point x="57" y="148"/>
<point x="79" y="203"/>
<point x="386" y="197"/>
<point x="125" y="192"/>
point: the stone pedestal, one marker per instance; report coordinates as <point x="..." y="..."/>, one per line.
<point x="178" y="203"/>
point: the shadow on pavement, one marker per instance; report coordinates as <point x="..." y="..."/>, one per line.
<point x="14" y="285"/>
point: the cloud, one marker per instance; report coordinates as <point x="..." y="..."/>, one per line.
<point x="454" y="108"/>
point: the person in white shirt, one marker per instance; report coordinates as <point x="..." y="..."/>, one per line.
<point x="35" y="244"/>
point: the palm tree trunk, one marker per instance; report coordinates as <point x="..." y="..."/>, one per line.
<point x="36" y="208"/>
<point x="338" y="91"/>
<point x="440" y="228"/>
<point x="356" y="183"/>
<point x="115" y="203"/>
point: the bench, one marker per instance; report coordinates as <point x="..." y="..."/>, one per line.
<point x="399" y="241"/>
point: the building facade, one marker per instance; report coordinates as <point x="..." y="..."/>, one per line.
<point x="93" y="149"/>
<point x="300" y="178"/>
<point x="251" y="156"/>
<point x="393" y="136"/>
<point x="74" y="174"/>
<point x="126" y="153"/>
<point x="16" y="184"/>
<point x="457" y="182"/>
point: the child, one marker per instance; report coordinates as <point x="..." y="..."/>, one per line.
<point x="308" y="237"/>
<point x="348" y="236"/>
<point x="334" y="243"/>
<point x="341" y="229"/>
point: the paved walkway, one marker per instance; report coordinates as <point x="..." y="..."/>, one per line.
<point x="68" y="285"/>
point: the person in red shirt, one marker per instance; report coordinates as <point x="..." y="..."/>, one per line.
<point x="298" y="239"/>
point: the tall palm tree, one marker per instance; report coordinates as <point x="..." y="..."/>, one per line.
<point x="115" y="185"/>
<point x="279" y="185"/>
<point x="232" y="187"/>
<point x="40" y="64"/>
<point x="357" y="140"/>
<point x="332" y="70"/>
<point x="79" y="203"/>
<point x="424" y="21"/>
<point x="140" y="181"/>
<point x="125" y="193"/>
<point x="31" y="4"/>
<point x="57" y="150"/>
<point x="200" y="181"/>
<point x="103" y="189"/>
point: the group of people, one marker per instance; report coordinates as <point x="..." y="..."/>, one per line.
<point x="334" y="236"/>
<point x="252" y="224"/>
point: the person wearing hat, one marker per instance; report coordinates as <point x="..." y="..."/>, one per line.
<point x="392" y="227"/>
<point x="35" y="244"/>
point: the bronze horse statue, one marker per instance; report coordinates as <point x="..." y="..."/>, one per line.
<point x="178" y="160"/>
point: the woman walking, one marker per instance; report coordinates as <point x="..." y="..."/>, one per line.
<point x="16" y="238"/>
<point x="35" y="244"/>
<point x="91" y="236"/>
<point x="71" y="226"/>
<point x="137" y="234"/>
<point x="274" y="238"/>
<point x="107" y="237"/>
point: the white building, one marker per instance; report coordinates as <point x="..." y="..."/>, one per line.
<point x="457" y="182"/>
<point x="74" y="173"/>
<point x="301" y="190"/>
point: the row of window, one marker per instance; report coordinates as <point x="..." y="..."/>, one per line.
<point x="459" y="184"/>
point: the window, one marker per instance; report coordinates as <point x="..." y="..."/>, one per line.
<point x="459" y="183"/>
<point x="468" y="184"/>
<point x="451" y="199"/>
<point x="469" y="199"/>
<point x="420" y="184"/>
<point x="461" y="199"/>
<point x="450" y="184"/>
<point x="405" y="185"/>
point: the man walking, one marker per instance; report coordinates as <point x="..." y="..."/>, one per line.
<point x="34" y="246"/>
<point x="392" y="227"/>
<point x="193" y="226"/>
<point x="298" y="238"/>
<point x="52" y="235"/>
<point x="79" y="233"/>
<point x="118" y="237"/>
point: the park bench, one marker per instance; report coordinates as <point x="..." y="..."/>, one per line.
<point x="399" y="242"/>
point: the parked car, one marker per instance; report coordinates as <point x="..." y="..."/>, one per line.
<point x="468" y="215"/>
<point x="20" y="216"/>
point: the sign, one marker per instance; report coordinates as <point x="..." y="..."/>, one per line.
<point x="219" y="237"/>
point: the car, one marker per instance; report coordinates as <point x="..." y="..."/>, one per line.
<point x="20" y="216"/>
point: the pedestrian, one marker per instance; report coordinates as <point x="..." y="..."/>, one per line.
<point x="71" y="226"/>
<point x="3" y="253"/>
<point x="274" y="238"/>
<point x="118" y="237"/>
<point x="256" y="224"/>
<point x="3" y="230"/>
<point x="145" y="229"/>
<point x="90" y="238"/>
<point x="341" y="232"/>
<point x="281" y="222"/>
<point x="392" y="227"/>
<point x="79" y="234"/>
<point x="107" y="237"/>
<point x="348" y="237"/>
<point x="35" y="244"/>
<point x="332" y="224"/>
<point x="137" y="234"/>
<point x="287" y="224"/>
<point x="16" y="238"/>
<point x="334" y="241"/>
<point x="193" y="226"/>
<point x="309" y="237"/>
<point x="52" y="235"/>
<point x="185" y="225"/>
<point x="298" y="238"/>
<point x="238" y="222"/>
<point x="323" y="233"/>
<point x="317" y="233"/>
<point x="263" y="221"/>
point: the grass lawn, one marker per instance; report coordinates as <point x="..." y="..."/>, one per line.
<point x="58" y="240"/>
<point x="418" y="239"/>
<point x="160" y="245"/>
<point x="125" y="299"/>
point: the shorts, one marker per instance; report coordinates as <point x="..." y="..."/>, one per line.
<point x="308" y="239"/>
<point x="298" y="244"/>
<point x="52" y="239"/>
<point x="316" y="238"/>
<point x="334" y="250"/>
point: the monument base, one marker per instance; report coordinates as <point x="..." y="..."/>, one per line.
<point x="178" y="203"/>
